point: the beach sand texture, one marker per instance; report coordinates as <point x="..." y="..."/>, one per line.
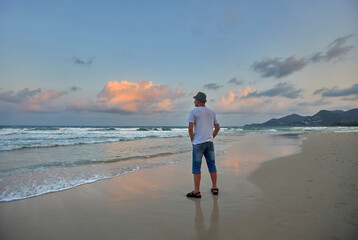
<point x="312" y="194"/>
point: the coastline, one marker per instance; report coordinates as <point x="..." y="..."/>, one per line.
<point x="258" y="199"/>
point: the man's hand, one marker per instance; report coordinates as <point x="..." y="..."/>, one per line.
<point x="191" y="131"/>
<point x="216" y="130"/>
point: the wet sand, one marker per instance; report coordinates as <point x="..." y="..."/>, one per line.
<point x="308" y="194"/>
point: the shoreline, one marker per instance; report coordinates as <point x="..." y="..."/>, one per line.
<point x="151" y="203"/>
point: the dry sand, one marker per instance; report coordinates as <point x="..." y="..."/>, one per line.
<point x="309" y="195"/>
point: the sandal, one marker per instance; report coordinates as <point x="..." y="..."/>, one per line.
<point x="215" y="191"/>
<point x="194" y="195"/>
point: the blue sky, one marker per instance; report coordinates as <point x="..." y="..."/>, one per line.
<point x="140" y="62"/>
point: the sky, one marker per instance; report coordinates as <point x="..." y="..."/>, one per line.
<point x="139" y="63"/>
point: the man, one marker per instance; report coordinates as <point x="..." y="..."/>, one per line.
<point x="202" y="120"/>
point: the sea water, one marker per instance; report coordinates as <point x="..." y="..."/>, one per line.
<point x="35" y="160"/>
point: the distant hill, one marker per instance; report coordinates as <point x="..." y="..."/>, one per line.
<point x="322" y="118"/>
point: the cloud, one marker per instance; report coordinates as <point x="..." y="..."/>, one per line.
<point x="234" y="102"/>
<point x="279" y="99"/>
<point x="319" y="102"/>
<point x="278" y="67"/>
<point x="336" y="92"/>
<point x="235" y="81"/>
<point x="336" y="50"/>
<point x="197" y="32"/>
<point x="30" y="100"/>
<point x="128" y="97"/>
<point x="318" y="91"/>
<point x="229" y="21"/>
<point x="82" y="62"/>
<point x="350" y="98"/>
<point x="285" y="89"/>
<point x="222" y="21"/>
<point x="75" y="89"/>
<point x="212" y="86"/>
<point x="239" y="103"/>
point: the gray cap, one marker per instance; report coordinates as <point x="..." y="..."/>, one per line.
<point x="201" y="97"/>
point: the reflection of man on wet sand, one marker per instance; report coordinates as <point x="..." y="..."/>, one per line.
<point x="202" y="120"/>
<point x="201" y="231"/>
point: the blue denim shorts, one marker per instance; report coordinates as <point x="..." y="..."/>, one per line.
<point x="206" y="149"/>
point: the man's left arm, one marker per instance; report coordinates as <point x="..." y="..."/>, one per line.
<point x="191" y="131"/>
<point x="216" y="130"/>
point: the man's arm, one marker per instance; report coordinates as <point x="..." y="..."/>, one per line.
<point x="191" y="131"/>
<point x="216" y="130"/>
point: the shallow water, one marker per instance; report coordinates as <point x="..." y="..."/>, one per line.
<point x="35" y="161"/>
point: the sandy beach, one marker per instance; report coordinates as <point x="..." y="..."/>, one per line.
<point x="270" y="188"/>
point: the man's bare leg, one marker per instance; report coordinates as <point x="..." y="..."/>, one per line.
<point x="197" y="178"/>
<point x="214" y="178"/>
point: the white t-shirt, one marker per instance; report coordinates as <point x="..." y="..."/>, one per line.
<point x="204" y="120"/>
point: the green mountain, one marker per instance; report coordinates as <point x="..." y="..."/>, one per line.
<point x="322" y="118"/>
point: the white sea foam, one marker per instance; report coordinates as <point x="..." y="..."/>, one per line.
<point x="31" y="172"/>
<point x="54" y="184"/>
<point x="18" y="138"/>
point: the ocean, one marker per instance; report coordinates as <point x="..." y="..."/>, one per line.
<point x="36" y="160"/>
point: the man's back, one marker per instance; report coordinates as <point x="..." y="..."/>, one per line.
<point x="201" y="123"/>
<point x="204" y="120"/>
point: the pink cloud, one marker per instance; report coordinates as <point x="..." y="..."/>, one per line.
<point x="238" y="102"/>
<point x="129" y="97"/>
<point x="30" y="100"/>
<point x="229" y="99"/>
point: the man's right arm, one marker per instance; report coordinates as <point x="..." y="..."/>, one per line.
<point x="216" y="130"/>
<point x="191" y="131"/>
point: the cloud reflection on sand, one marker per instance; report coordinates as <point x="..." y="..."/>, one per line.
<point x="251" y="151"/>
